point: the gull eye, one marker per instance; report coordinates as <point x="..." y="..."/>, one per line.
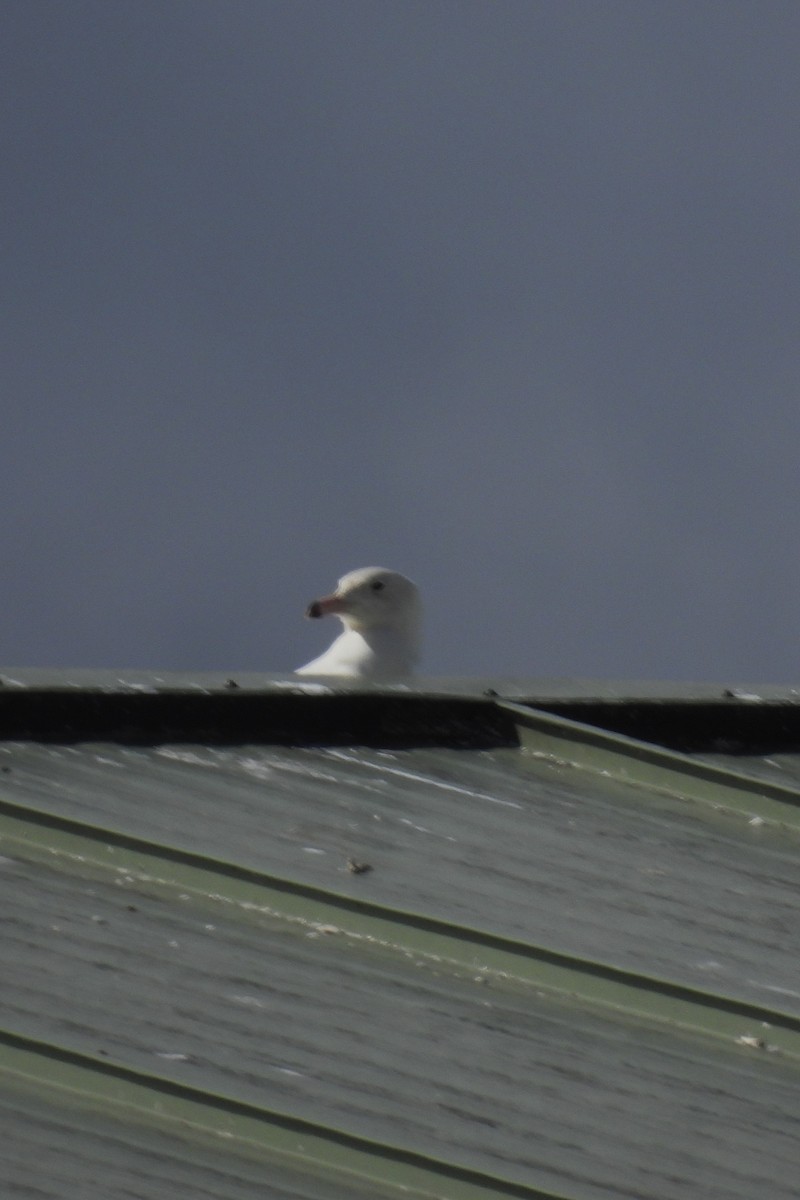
<point x="377" y="586"/>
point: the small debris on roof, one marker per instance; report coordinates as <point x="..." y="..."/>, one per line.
<point x="757" y="1043"/>
<point x="357" y="868"/>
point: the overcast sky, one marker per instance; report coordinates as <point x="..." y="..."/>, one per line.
<point x="502" y="294"/>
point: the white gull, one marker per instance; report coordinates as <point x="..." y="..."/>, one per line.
<point x="382" y="618"/>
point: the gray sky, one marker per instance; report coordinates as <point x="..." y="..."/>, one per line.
<point x="503" y="294"/>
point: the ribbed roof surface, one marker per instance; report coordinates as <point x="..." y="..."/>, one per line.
<point x="453" y="944"/>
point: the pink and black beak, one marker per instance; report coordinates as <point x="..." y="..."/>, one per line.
<point x="327" y="605"/>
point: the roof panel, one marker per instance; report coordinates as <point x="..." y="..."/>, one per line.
<point x="53" y="1151"/>
<point x="568" y="971"/>
<point x="340" y="1033"/>
<point x="494" y="840"/>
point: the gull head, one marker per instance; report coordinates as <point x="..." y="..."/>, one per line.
<point x="371" y="599"/>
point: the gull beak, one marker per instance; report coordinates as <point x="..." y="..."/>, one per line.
<point x="328" y="604"/>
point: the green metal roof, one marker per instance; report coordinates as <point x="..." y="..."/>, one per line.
<point x="469" y="939"/>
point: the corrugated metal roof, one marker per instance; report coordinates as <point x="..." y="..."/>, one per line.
<point x="454" y="944"/>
